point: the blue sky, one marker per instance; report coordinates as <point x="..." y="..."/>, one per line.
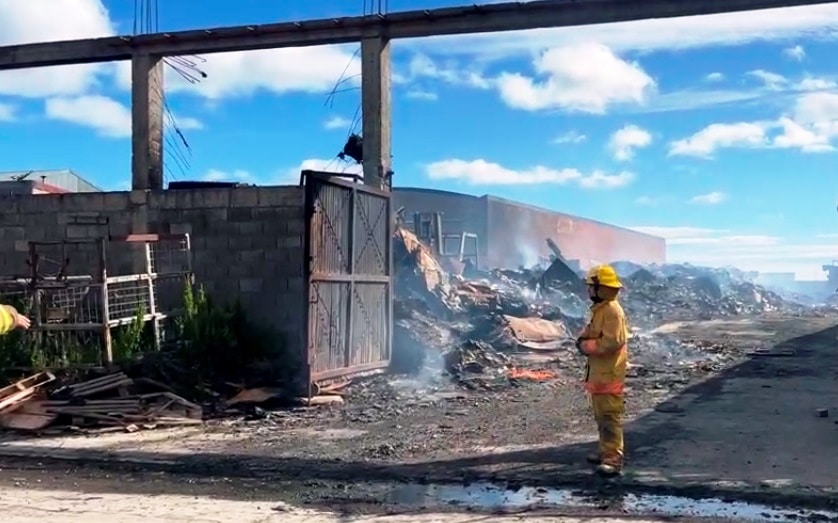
<point x="715" y="132"/>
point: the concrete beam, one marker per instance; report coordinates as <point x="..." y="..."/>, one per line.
<point x="147" y="104"/>
<point x="375" y="111"/>
<point x="408" y="24"/>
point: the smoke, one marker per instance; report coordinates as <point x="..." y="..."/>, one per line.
<point x="528" y="253"/>
<point x="665" y="350"/>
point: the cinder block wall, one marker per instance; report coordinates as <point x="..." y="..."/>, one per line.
<point x="247" y="242"/>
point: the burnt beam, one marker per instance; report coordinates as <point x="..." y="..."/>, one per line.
<point x="509" y="16"/>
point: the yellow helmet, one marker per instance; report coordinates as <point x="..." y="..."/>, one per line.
<point x="603" y="275"/>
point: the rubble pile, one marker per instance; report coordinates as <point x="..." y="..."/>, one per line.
<point x="479" y="320"/>
<point x="113" y="400"/>
<point x="678" y="292"/>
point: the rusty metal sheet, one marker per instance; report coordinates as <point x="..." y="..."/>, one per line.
<point x="349" y="252"/>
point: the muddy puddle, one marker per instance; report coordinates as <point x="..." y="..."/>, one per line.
<point x="490" y="497"/>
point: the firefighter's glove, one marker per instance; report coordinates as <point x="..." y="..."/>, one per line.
<point x="579" y="342"/>
<point x="587" y="347"/>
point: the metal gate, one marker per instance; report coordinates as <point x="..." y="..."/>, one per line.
<point x="350" y="295"/>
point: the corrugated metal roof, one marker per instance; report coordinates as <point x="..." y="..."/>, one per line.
<point x="65" y="179"/>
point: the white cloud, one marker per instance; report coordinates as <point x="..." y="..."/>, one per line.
<point x="337" y="122"/>
<point x="772" y="81"/>
<point x="237" y="175"/>
<point x="107" y="116"/>
<point x="572" y="137"/>
<point x="601" y="180"/>
<point x="818" y="112"/>
<point x="795" y="52"/>
<point x="422" y="66"/>
<point x="47" y="21"/>
<point x="418" y="94"/>
<point x="8" y="112"/>
<point x="585" y="77"/>
<point x="705" y="142"/>
<point x="278" y="71"/>
<point x="812" y="122"/>
<point x="714" y="77"/>
<point x="748" y="251"/>
<point x="186" y="123"/>
<point x="815" y="84"/>
<point x="670" y="34"/>
<point x="646" y="201"/>
<point x="711" y="198"/>
<point x="482" y="172"/>
<point x="796" y="136"/>
<point x="625" y="140"/>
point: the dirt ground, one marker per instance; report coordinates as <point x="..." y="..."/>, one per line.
<point x="741" y="423"/>
<point x="35" y="496"/>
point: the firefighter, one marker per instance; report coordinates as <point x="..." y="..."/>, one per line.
<point x="11" y="319"/>
<point x="603" y="342"/>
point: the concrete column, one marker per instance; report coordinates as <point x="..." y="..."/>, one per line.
<point x="147" y="122"/>
<point x="375" y="104"/>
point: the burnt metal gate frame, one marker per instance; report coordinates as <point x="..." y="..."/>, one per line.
<point x="348" y="272"/>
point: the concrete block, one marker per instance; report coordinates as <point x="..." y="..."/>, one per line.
<point x="82" y="232"/>
<point x="289" y="241"/>
<point x="184" y="199"/>
<point x="12" y="233"/>
<point x="295" y="284"/>
<point x="42" y="203"/>
<point x="244" y="197"/>
<point x="204" y="198"/>
<point x="11" y="219"/>
<point x="21" y="246"/>
<point x="120" y="223"/>
<point x="239" y="214"/>
<point x="250" y="285"/>
<point x="295" y="227"/>
<point x="138" y="197"/>
<point x="292" y="196"/>
<point x="29" y="204"/>
<point x="252" y="259"/>
<point x="180" y="228"/>
<point x="240" y="243"/>
<point x="115" y="201"/>
<point x="162" y="200"/>
<point x="251" y="229"/>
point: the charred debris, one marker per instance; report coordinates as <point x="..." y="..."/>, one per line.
<point x="457" y="329"/>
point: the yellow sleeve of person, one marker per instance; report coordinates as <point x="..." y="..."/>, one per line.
<point x="11" y="319"/>
<point x="612" y="328"/>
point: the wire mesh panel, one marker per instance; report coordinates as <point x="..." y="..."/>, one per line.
<point x="79" y="290"/>
<point x="348" y="245"/>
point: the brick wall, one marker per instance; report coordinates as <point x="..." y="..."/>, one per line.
<point x="247" y="242"/>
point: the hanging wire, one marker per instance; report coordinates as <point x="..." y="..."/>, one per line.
<point x="176" y="145"/>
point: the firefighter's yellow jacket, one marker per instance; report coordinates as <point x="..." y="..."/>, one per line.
<point x="7" y="320"/>
<point x="605" y="338"/>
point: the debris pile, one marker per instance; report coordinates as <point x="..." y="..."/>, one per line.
<point x="478" y="324"/>
<point x="113" y="400"/>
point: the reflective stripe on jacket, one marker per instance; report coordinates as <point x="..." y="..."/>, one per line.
<point x="7" y="320"/>
<point x="606" y="369"/>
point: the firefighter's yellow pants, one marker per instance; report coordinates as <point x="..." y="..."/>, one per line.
<point x="608" y="413"/>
